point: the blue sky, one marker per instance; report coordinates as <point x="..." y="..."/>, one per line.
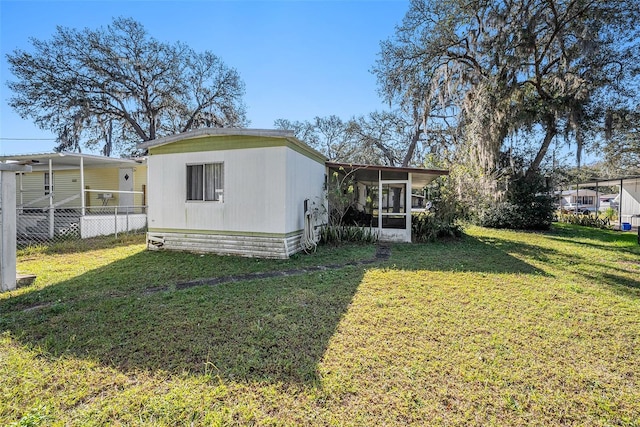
<point x="298" y="59"/>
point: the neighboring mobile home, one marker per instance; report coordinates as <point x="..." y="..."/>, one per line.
<point x="582" y="200"/>
<point x="628" y="198"/>
<point x="78" y="193"/>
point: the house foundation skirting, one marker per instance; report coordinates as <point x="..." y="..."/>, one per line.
<point x="259" y="246"/>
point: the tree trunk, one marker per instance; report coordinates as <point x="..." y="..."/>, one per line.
<point x="397" y="193"/>
<point x="108" y="140"/>
<point x="551" y="132"/>
<point x="415" y="137"/>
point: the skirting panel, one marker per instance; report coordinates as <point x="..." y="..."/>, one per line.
<point x="247" y="246"/>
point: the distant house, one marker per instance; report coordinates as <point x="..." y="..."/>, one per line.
<point x="608" y="201"/>
<point x="581" y="200"/>
<point x="261" y="193"/>
<point x="78" y="193"/>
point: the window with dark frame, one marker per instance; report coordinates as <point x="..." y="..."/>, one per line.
<point x="585" y="200"/>
<point x="205" y="182"/>
<point x="48" y="184"/>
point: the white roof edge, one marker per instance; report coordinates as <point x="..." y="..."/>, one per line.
<point x="302" y="144"/>
<point x="9" y="157"/>
<point x="98" y="157"/>
<point x="609" y="181"/>
<point x="200" y="133"/>
<point x="14" y="167"/>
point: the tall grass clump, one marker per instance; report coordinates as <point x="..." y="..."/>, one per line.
<point x="337" y="234"/>
<point x="611" y="214"/>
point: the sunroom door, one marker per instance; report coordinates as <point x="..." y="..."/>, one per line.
<point x="394" y="210"/>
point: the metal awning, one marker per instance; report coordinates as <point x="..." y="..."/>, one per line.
<point x="370" y="173"/>
<point x="63" y="160"/>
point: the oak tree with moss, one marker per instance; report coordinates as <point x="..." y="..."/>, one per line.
<point x="117" y="86"/>
<point x="539" y="69"/>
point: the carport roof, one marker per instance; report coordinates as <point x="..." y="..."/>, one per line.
<point x="608" y="181"/>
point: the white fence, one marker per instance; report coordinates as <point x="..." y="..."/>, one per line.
<point x="107" y="224"/>
<point x="50" y="225"/>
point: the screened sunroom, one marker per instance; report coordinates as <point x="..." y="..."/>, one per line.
<point x="384" y="196"/>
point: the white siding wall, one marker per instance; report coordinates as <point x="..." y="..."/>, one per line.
<point x="66" y="183"/>
<point x="630" y="198"/>
<point x="305" y="180"/>
<point x="104" y="225"/>
<point x="254" y="192"/>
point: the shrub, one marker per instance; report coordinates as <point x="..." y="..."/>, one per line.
<point x="585" y="220"/>
<point x="526" y="207"/>
<point x="610" y="214"/>
<point x="427" y="227"/>
<point x="536" y="215"/>
<point x="443" y="217"/>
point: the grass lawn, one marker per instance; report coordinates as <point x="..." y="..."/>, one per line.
<point x="497" y="328"/>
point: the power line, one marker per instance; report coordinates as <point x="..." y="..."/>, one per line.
<point x="27" y="139"/>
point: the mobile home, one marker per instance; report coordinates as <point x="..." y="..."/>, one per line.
<point x="234" y="191"/>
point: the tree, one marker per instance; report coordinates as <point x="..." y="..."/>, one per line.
<point x="495" y="67"/>
<point x="117" y="86"/>
<point x="389" y="137"/>
<point x="621" y="147"/>
<point x="330" y="135"/>
<point x="381" y="137"/>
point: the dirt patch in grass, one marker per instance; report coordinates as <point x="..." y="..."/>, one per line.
<point x="383" y="252"/>
<point x="37" y="307"/>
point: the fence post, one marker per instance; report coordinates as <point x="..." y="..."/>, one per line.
<point x="8" y="215"/>
<point x="52" y="221"/>
<point x="127" y="230"/>
<point x="115" y="216"/>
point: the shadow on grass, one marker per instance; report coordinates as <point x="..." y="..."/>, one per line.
<point x="617" y="266"/>
<point x="272" y="330"/>
<point x="574" y="261"/>
<point x="496" y="255"/>
<point x="77" y="245"/>
<point x="467" y="254"/>
<point x="610" y="239"/>
<point x="622" y="270"/>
